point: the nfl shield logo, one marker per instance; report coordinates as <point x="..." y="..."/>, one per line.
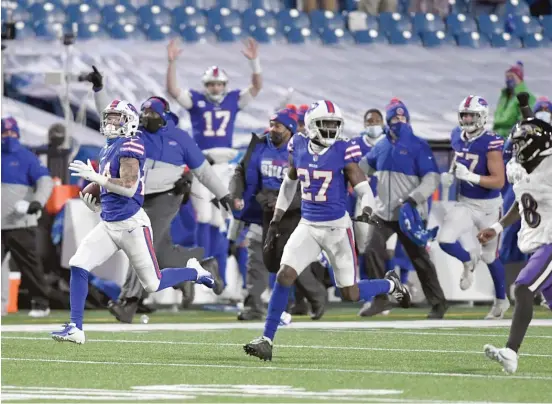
<point x="315" y="157"/>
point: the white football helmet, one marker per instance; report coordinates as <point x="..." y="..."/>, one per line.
<point x="119" y="119"/>
<point x="473" y="112"/>
<point x="324" y="122"/>
<point x="214" y="74"/>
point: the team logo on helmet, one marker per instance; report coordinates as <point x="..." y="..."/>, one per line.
<point x="147" y="104"/>
<point x="483" y="102"/>
<point x="313" y="107"/>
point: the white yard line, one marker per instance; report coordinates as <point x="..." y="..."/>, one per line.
<point x="454" y="334"/>
<point x="316" y="325"/>
<point x="317" y="347"/>
<point x="319" y="370"/>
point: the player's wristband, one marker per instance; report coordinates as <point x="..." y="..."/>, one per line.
<point x="474" y="178"/>
<point x="497" y="227"/>
<point x="255" y="65"/>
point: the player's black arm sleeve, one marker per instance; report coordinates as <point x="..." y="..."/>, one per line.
<point x="525" y="108"/>
<point x="511" y="217"/>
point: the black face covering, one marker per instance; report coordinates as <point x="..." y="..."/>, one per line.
<point x="151" y="122"/>
<point x="276" y="137"/>
<point x="56" y="141"/>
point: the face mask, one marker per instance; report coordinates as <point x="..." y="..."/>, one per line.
<point x="10" y="144"/>
<point x="397" y="128"/>
<point x="56" y="141"/>
<point x="151" y="124"/>
<point x="276" y="137"/>
<point x="510" y="83"/>
<point x="374" y="131"/>
<point x="544" y="116"/>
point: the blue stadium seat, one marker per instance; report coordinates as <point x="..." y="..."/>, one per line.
<point x="369" y="37"/>
<point x="505" y="40"/>
<point x="267" y="35"/>
<point x="218" y="18"/>
<point x="335" y="36"/>
<point x="517" y="7"/>
<point x="154" y="15"/>
<point x="258" y="18"/>
<point x="326" y="20"/>
<point x="427" y="23"/>
<point x="231" y="4"/>
<point x="300" y="35"/>
<point x="472" y="40"/>
<point x="119" y="14"/>
<point x="458" y="23"/>
<point x="394" y="22"/>
<point x="126" y="3"/>
<point x="434" y="39"/>
<point x="196" y="34"/>
<point x="524" y="25"/>
<point x="47" y="12"/>
<point x="546" y="23"/>
<point x="47" y="31"/>
<point x="536" y="41"/>
<point x="22" y="3"/>
<point x="23" y="30"/>
<point x="168" y="4"/>
<point x="262" y="4"/>
<point x="188" y="16"/>
<point x="83" y="13"/>
<point x="19" y="14"/>
<point x="403" y="6"/>
<point x="90" y="31"/>
<point x="126" y="31"/>
<point x="289" y="19"/>
<point x="156" y="32"/>
<point x="490" y="24"/>
<point x="403" y="38"/>
<point x="458" y="7"/>
<point x="227" y="34"/>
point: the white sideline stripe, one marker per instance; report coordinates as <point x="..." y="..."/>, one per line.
<point x="454" y="334"/>
<point x="329" y="370"/>
<point x="312" y="325"/>
<point x="339" y="348"/>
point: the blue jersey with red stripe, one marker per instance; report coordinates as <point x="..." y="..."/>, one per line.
<point x="117" y="207"/>
<point x="323" y="182"/>
<point x="213" y="124"/>
<point x="473" y="154"/>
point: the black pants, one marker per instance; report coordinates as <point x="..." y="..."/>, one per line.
<point x="376" y="256"/>
<point x="22" y="244"/>
<point x="307" y="283"/>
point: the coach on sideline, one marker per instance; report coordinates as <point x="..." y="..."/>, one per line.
<point x="168" y="150"/>
<point x="407" y="173"/>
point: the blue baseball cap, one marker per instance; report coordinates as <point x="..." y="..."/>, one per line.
<point x="9" y="123"/>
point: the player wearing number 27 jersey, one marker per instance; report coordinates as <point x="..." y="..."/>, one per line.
<point x="125" y="225"/>
<point x="530" y="173"/>
<point x="323" y="161"/>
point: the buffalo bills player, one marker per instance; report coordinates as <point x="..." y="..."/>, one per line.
<point x="323" y="160"/>
<point x="213" y="113"/>
<point x="125" y="225"/>
<point x="479" y="167"/>
<point x="529" y="172"/>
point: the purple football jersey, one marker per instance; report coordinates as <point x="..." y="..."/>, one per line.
<point x="473" y="154"/>
<point x="213" y="124"/>
<point x="117" y="207"/>
<point x="323" y="182"/>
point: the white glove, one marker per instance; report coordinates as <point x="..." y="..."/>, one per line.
<point x="462" y="173"/>
<point x="90" y="202"/>
<point x="87" y="172"/>
<point x="21" y="207"/>
<point x="515" y="172"/>
<point x="447" y="179"/>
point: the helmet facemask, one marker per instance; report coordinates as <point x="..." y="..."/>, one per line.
<point x="117" y="123"/>
<point x="326" y="131"/>
<point x="471" y="122"/>
<point x="215" y="90"/>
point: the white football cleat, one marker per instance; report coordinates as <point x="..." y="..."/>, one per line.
<point x="204" y="277"/>
<point x="70" y="333"/>
<point x="39" y="313"/>
<point x="466" y="281"/>
<point x="500" y="307"/>
<point x="285" y="319"/>
<point x="505" y="356"/>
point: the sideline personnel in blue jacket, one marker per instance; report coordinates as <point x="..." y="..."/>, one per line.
<point x="407" y="173"/>
<point x="26" y="187"/>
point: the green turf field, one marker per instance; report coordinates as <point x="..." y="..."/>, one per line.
<point x="198" y="357"/>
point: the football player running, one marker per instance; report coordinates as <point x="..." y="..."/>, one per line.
<point x="529" y="171"/>
<point x="479" y="167"/>
<point x="213" y="114"/>
<point x="124" y="224"/>
<point x="323" y="160"/>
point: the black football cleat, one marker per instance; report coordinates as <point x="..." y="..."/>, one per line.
<point x="125" y="311"/>
<point x="250" y="315"/>
<point x="260" y="347"/>
<point x="401" y="292"/>
<point x="438" y="311"/>
<point x="210" y="264"/>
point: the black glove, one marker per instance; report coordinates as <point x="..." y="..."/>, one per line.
<point x="368" y="216"/>
<point x="411" y="201"/>
<point x="34" y="207"/>
<point x="271" y="235"/>
<point x="523" y="99"/>
<point x="226" y="202"/>
<point x="232" y="248"/>
<point x="184" y="185"/>
<point x="95" y="78"/>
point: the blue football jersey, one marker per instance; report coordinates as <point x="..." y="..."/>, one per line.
<point x="213" y="124"/>
<point x="473" y="154"/>
<point x="117" y="207"/>
<point x="323" y="182"/>
<point x="274" y="164"/>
